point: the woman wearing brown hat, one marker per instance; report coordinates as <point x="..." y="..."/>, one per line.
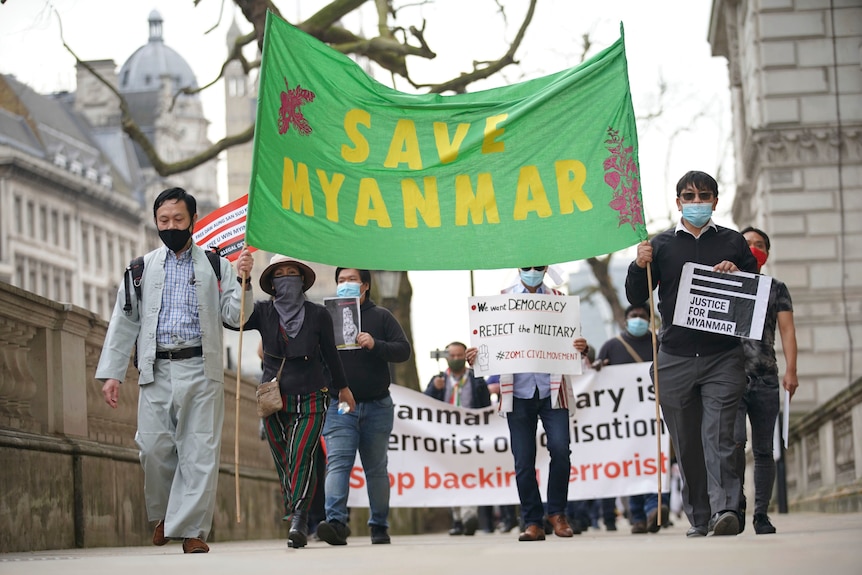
<point x="299" y="344"/>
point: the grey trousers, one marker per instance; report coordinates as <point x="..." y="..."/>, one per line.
<point x="699" y="398"/>
<point x="180" y="417"/>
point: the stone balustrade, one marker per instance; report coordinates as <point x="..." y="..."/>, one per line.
<point x="824" y="456"/>
<point x="71" y="475"/>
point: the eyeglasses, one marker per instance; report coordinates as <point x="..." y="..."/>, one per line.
<point x="690" y="196"/>
<point x="537" y="268"/>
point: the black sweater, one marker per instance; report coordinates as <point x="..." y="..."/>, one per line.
<point x="368" y="369"/>
<point x="304" y="354"/>
<point x="671" y="251"/>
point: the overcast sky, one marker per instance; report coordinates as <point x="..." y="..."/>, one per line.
<point x="665" y="42"/>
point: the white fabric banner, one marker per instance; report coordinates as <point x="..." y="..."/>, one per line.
<point x="442" y="456"/>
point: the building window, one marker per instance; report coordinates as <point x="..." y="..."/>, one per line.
<point x="97" y="249"/>
<point x="85" y="245"/>
<point x="43" y="223"/>
<point x="111" y="258"/>
<point x="19" y="273"/>
<point x="67" y="236"/>
<point x="31" y="220"/>
<point x="236" y="87"/>
<point x="54" y="229"/>
<point x="19" y="216"/>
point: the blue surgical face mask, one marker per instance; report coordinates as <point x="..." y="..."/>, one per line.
<point x="637" y="326"/>
<point x="349" y="289"/>
<point x="531" y="277"/>
<point x="697" y="214"/>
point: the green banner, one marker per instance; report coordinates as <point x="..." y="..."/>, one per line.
<point x="349" y="172"/>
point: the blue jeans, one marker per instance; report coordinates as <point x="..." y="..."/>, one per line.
<point x="641" y="505"/>
<point x="523" y="422"/>
<point x="365" y="430"/>
<point x="760" y="401"/>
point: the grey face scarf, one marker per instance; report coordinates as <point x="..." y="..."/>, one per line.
<point x="289" y="303"/>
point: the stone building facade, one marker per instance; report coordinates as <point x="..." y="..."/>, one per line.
<point x="796" y="84"/>
<point x="76" y="193"/>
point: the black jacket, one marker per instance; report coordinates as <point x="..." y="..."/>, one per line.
<point x="671" y="250"/>
<point x="367" y="370"/>
<point x="479" y="391"/>
<point x="304" y="370"/>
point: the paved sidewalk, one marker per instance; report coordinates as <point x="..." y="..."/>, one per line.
<point x="806" y="543"/>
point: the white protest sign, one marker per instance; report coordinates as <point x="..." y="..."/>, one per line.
<point x="524" y="333"/>
<point x="224" y="229"/>
<point x="441" y="455"/>
<point x="727" y="303"/>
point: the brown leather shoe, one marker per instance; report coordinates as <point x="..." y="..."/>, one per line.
<point x="561" y="525"/>
<point x="159" y="534"/>
<point x="532" y="533"/>
<point x="195" y="545"/>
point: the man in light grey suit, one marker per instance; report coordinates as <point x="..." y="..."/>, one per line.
<point x="177" y="323"/>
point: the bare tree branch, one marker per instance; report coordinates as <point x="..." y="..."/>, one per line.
<point x="459" y="84"/>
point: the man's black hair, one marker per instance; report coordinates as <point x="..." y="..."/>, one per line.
<point x="761" y="233"/>
<point x="364" y="275"/>
<point x="644" y="306"/>
<point x="456" y="343"/>
<point x="699" y="181"/>
<point x="176" y="194"/>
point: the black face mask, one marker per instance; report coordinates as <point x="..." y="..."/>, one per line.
<point x="175" y="239"/>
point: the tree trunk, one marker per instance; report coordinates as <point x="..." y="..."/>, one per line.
<point x="405" y="373"/>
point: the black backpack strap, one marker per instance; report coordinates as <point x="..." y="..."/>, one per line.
<point x="215" y="261"/>
<point x="127" y="283"/>
<point x="132" y="278"/>
<point x="137" y="268"/>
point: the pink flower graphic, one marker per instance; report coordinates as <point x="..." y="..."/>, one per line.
<point x="621" y="174"/>
<point x="289" y="112"/>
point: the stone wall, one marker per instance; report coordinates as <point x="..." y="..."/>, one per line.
<point x="824" y="456"/>
<point x="71" y="475"/>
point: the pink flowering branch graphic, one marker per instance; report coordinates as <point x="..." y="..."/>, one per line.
<point x="621" y="174"/>
<point x="289" y="112"/>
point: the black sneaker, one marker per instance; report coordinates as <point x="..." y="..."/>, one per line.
<point x="333" y="532"/>
<point x="379" y="535"/>
<point x="762" y="525"/>
<point x="457" y="528"/>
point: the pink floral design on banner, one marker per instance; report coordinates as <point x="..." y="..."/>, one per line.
<point x="289" y="113"/>
<point x="621" y="174"/>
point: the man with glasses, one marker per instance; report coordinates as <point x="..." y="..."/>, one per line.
<point x="702" y="373"/>
<point x="524" y="399"/>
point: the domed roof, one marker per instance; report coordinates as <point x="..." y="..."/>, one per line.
<point x="144" y="69"/>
